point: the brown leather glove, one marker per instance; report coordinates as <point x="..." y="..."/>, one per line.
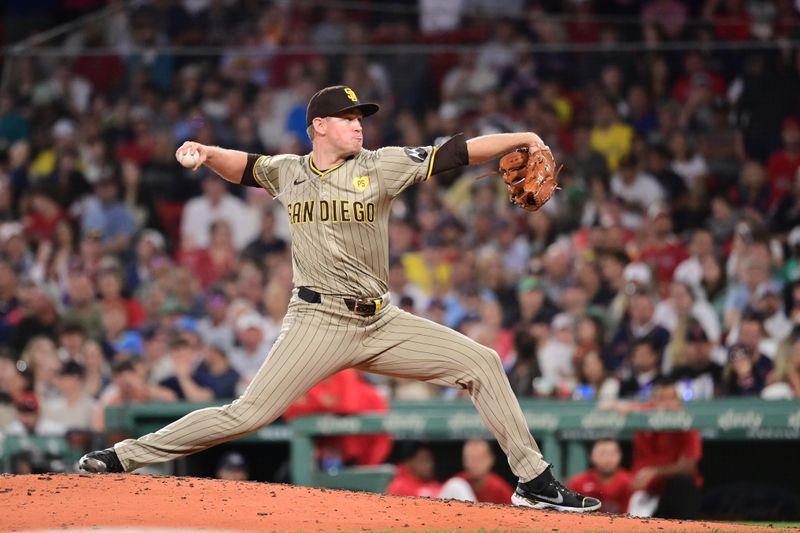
<point x="531" y="177"/>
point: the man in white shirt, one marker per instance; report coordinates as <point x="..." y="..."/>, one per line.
<point x="253" y="349"/>
<point x="636" y="189"/>
<point x="215" y="204"/>
<point x="74" y="407"/>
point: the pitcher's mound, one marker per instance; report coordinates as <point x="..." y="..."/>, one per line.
<point x="134" y="502"/>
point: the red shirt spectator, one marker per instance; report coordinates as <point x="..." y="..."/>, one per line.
<point x="782" y="165"/>
<point x="414" y="477"/>
<point x="405" y="483"/>
<point x="664" y="251"/>
<point x="605" y="480"/>
<point x="493" y="489"/>
<point x="614" y="492"/>
<point x="664" y="448"/>
<point x="345" y="393"/>
<point x="477" y="482"/>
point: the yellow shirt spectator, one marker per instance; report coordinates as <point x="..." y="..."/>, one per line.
<point x="432" y="279"/>
<point x="614" y="142"/>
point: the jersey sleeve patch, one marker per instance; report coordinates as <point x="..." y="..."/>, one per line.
<point x="418" y="154"/>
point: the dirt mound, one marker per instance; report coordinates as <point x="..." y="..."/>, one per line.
<point x="59" y="501"/>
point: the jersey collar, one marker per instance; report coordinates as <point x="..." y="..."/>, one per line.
<point x="322" y="173"/>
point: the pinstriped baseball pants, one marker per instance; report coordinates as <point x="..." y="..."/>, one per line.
<point x="318" y="340"/>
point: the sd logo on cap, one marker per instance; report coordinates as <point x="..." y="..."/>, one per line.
<point x="334" y="100"/>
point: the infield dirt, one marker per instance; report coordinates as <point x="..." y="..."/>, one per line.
<point x="111" y="501"/>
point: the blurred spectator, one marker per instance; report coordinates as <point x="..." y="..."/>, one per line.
<point x="128" y="385"/>
<point x="676" y="313"/>
<point x="467" y="81"/>
<point x="151" y="256"/>
<point x="783" y="165"/>
<point x="645" y="370"/>
<point x="606" y="479"/>
<point x="784" y="381"/>
<point x="786" y="215"/>
<point x="107" y="217"/>
<point x="525" y="368"/>
<point x="610" y="137"/>
<point x="555" y="358"/>
<point x="636" y="189"/>
<point x="208" y="264"/>
<point x="74" y="407"/>
<point x="534" y="305"/>
<point x="345" y="393"/>
<point x="594" y="382"/>
<point x="477" y="482"/>
<point x="39" y="316"/>
<point x="750" y="333"/>
<point x="81" y="306"/>
<point x="29" y="422"/>
<point x="113" y="294"/>
<point x="695" y="374"/>
<point x="746" y="372"/>
<point x="253" y="347"/>
<point x="665" y="474"/>
<point x="640" y="324"/>
<point x="212" y="378"/>
<point x="71" y="340"/>
<point x="214" y="327"/>
<point x="215" y="203"/>
<point x="662" y="250"/>
<point x="233" y="467"/>
<point x="16" y="379"/>
<point x="266" y="243"/>
<point x="9" y="303"/>
<point x="414" y="476"/>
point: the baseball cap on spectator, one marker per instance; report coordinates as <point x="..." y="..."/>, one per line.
<point x="153" y="237"/>
<point x="530" y="283"/>
<point x="638" y="273"/>
<point x="249" y="320"/>
<point x="562" y="321"/>
<point x="187" y="323"/>
<point x="768" y="288"/>
<point x="63" y="129"/>
<point x="695" y="332"/>
<point x="217" y="299"/>
<point x="27" y="403"/>
<point x="72" y="368"/>
<point x="171" y="306"/>
<point x="794" y="237"/>
<point x="9" y="230"/>
<point x="656" y="210"/>
<point x="130" y="342"/>
<point x="738" y="351"/>
<point x="232" y="461"/>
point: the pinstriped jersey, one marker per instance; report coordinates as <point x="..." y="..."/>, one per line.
<point x="339" y="217"/>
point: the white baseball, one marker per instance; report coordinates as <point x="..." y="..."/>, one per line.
<point x="189" y="159"/>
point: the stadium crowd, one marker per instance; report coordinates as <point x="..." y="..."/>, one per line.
<point x="672" y="250"/>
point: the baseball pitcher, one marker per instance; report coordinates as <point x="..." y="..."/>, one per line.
<point x="338" y="199"/>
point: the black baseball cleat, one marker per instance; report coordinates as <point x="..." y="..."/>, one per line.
<point x="101" y="461"/>
<point x="546" y="492"/>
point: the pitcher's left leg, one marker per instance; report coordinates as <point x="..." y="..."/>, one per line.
<point x="412" y="347"/>
<point x="407" y="346"/>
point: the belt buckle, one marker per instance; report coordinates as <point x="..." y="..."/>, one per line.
<point x="366" y="306"/>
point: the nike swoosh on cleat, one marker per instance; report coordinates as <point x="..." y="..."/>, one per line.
<point x="560" y="498"/>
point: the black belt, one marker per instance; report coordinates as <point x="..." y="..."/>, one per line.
<point x="359" y="306"/>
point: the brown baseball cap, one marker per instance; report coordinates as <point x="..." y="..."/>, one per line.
<point x="334" y="100"/>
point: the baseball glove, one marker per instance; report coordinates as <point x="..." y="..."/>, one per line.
<point x="531" y="177"/>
